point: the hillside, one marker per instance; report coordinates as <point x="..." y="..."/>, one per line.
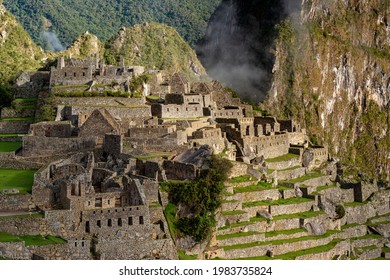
<point x="17" y="51"/>
<point x="69" y="18"/>
<point x="154" y="46"/>
<point x="332" y="74"/>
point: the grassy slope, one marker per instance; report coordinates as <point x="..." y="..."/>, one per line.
<point x="17" y="179"/>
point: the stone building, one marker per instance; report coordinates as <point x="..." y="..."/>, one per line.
<point x="70" y="72"/>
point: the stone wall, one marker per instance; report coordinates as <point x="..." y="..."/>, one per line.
<point x="73" y="250"/>
<point x="33" y="146"/>
<point x="271" y="194"/>
<point x="13" y="202"/>
<point x="276" y="249"/>
<point x="177" y="111"/>
<point x="284" y="164"/>
<point x="342" y="248"/>
<point x="14" y="162"/>
<point x="21" y="126"/>
<point x="17" y="113"/>
<point x="28" y="85"/>
<point x="238" y="169"/>
<point x="290" y="174"/>
<point x="11" y="138"/>
<point x="14" y="251"/>
<point x="27" y="225"/>
<point x="260" y="237"/>
<point x="175" y="170"/>
<point x="100" y="101"/>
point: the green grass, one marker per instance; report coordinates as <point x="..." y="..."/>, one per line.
<point x="25" y="99"/>
<point x="369" y="248"/>
<point x="241" y="179"/>
<point x="31" y="240"/>
<point x="321" y="188"/>
<point x="149" y="156"/>
<point x="21" y="180"/>
<point x="170" y="215"/>
<point x="261" y="186"/>
<point x="183" y="256"/>
<point x="25" y="107"/>
<point x="153" y="97"/>
<point x="235" y="212"/>
<point x="285" y="232"/>
<point x="24" y="216"/>
<point x="385" y="250"/>
<point x="18" y="119"/>
<point x="279" y="241"/>
<point x="367" y="236"/>
<point x="6" y="147"/>
<point x="293" y="200"/>
<point x="70" y="87"/>
<point x="349" y="226"/>
<point x="302" y="215"/>
<point x="237" y="234"/>
<point x="354" y="203"/>
<point x="285" y="157"/>
<point x="305" y="177"/>
<point x="9" y="135"/>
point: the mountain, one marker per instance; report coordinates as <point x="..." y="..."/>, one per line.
<point x="155" y="46"/>
<point x="17" y="50"/>
<point x="332" y="74"/>
<point x="69" y="18"/>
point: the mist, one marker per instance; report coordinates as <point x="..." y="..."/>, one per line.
<point x="239" y="43"/>
<point x="52" y="41"/>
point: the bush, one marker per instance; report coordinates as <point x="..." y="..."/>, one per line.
<point x="5" y="97"/>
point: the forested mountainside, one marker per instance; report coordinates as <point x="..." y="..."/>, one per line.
<point x="332" y="73"/>
<point x="70" y="18"/>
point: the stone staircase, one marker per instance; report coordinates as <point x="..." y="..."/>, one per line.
<point x="17" y="119"/>
<point x="287" y="220"/>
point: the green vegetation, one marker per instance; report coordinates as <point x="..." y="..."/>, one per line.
<point x="241" y="179"/>
<point x="285" y="157"/>
<point x="17" y="53"/>
<point x="70" y="18"/>
<point x="31" y="240"/>
<point x="238" y="234"/>
<point x="202" y="197"/>
<point x="21" y="180"/>
<point x="6" y="147"/>
<point x="294" y="200"/>
<point x="355" y="204"/>
<point x="349" y="226"/>
<point x="92" y="93"/>
<point x="303" y="215"/>
<point x="253" y="188"/>
<point x="183" y="256"/>
<point x="17" y="119"/>
<point x="170" y="216"/>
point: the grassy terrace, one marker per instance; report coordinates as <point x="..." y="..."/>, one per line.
<point x="284" y="232"/>
<point x="279" y="241"/>
<point x="241" y="179"/>
<point x="305" y="177"/>
<point x="294" y="200"/>
<point x="261" y="186"/>
<point x="17" y="119"/>
<point x="291" y="168"/>
<point x="303" y="215"/>
<point x="349" y="226"/>
<point x="110" y="106"/>
<point x="285" y="157"/>
<point x="21" y="180"/>
<point x="6" y="147"/>
<point x="294" y="255"/>
<point x="354" y="204"/>
<point x="367" y="236"/>
<point x="31" y="240"/>
<point x="183" y="256"/>
<point x="238" y="234"/>
<point x="149" y="156"/>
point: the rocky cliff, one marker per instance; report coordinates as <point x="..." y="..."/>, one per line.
<point x="332" y="73"/>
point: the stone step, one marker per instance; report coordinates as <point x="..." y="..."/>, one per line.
<point x="17" y="126"/>
<point x="283" y="162"/>
<point x="230" y="217"/>
<point x="309" y="180"/>
<point x="285" y="234"/>
<point x="24" y="102"/>
<point x="258" y="192"/>
<point x="276" y="247"/>
<point x="239" y="238"/>
<point x="231" y="205"/>
<point x="366" y="253"/>
<point x="279" y="207"/>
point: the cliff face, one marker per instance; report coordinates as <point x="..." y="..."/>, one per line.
<point x="17" y="51"/>
<point x="332" y="73"/>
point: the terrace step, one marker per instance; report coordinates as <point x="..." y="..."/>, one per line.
<point x="239" y="238"/>
<point x="276" y="247"/>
